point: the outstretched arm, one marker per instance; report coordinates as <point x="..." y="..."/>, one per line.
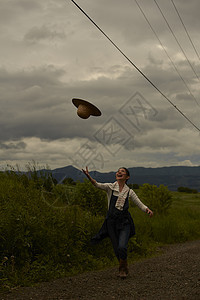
<point x="86" y="172"/>
<point x="139" y="203"/>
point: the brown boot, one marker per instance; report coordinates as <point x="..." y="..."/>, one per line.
<point x="126" y="267"/>
<point x="123" y="269"/>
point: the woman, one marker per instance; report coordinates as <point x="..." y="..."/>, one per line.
<point x="118" y="224"/>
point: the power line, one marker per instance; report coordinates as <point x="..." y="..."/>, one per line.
<point x="135" y="66"/>
<point x="176" y="40"/>
<point x="186" y="30"/>
<point x="142" y="11"/>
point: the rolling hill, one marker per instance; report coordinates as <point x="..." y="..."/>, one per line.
<point x="173" y="177"/>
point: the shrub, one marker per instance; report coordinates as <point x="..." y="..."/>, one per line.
<point x="90" y="198"/>
<point x="159" y="199"/>
<point x="41" y="240"/>
<point x="134" y="186"/>
<point x="69" y="181"/>
<point x="182" y="189"/>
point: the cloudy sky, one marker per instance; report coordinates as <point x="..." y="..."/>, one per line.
<point x="50" y="53"/>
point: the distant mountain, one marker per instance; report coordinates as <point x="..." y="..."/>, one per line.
<point x="173" y="177"/>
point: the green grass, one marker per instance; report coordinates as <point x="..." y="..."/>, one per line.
<point x="46" y="234"/>
<point x="179" y="225"/>
<point x="186" y="200"/>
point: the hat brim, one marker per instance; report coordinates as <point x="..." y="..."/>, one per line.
<point x="94" y="111"/>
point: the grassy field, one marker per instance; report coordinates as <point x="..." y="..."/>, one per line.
<point x="180" y="224"/>
<point x="191" y="201"/>
<point x="46" y="234"/>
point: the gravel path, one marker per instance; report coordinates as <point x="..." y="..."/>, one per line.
<point x="173" y="275"/>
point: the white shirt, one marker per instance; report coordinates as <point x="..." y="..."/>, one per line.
<point x="109" y="187"/>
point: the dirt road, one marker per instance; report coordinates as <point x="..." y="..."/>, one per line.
<point x="173" y="275"/>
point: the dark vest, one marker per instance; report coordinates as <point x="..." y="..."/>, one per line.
<point x="119" y="217"/>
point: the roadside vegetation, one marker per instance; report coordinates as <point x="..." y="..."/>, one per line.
<point x="45" y="227"/>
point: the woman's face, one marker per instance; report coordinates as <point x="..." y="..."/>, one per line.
<point x="121" y="175"/>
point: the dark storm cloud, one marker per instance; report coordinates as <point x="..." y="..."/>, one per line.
<point x="27" y="97"/>
<point x="38" y="103"/>
<point x="42" y="33"/>
<point x="13" y="145"/>
<point x="44" y="75"/>
<point x="124" y="22"/>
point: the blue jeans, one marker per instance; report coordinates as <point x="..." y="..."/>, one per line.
<point x="119" y="238"/>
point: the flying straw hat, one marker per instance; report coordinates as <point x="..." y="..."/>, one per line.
<point x="85" y="108"/>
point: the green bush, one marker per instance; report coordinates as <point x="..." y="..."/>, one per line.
<point x="183" y="189"/>
<point x="69" y="181"/>
<point x="90" y="198"/>
<point x="159" y="199"/>
<point x="134" y="186"/>
<point x="42" y="236"/>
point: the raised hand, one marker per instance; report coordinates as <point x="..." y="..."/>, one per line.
<point x="86" y="172"/>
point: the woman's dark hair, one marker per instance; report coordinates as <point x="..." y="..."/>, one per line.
<point x="127" y="171"/>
